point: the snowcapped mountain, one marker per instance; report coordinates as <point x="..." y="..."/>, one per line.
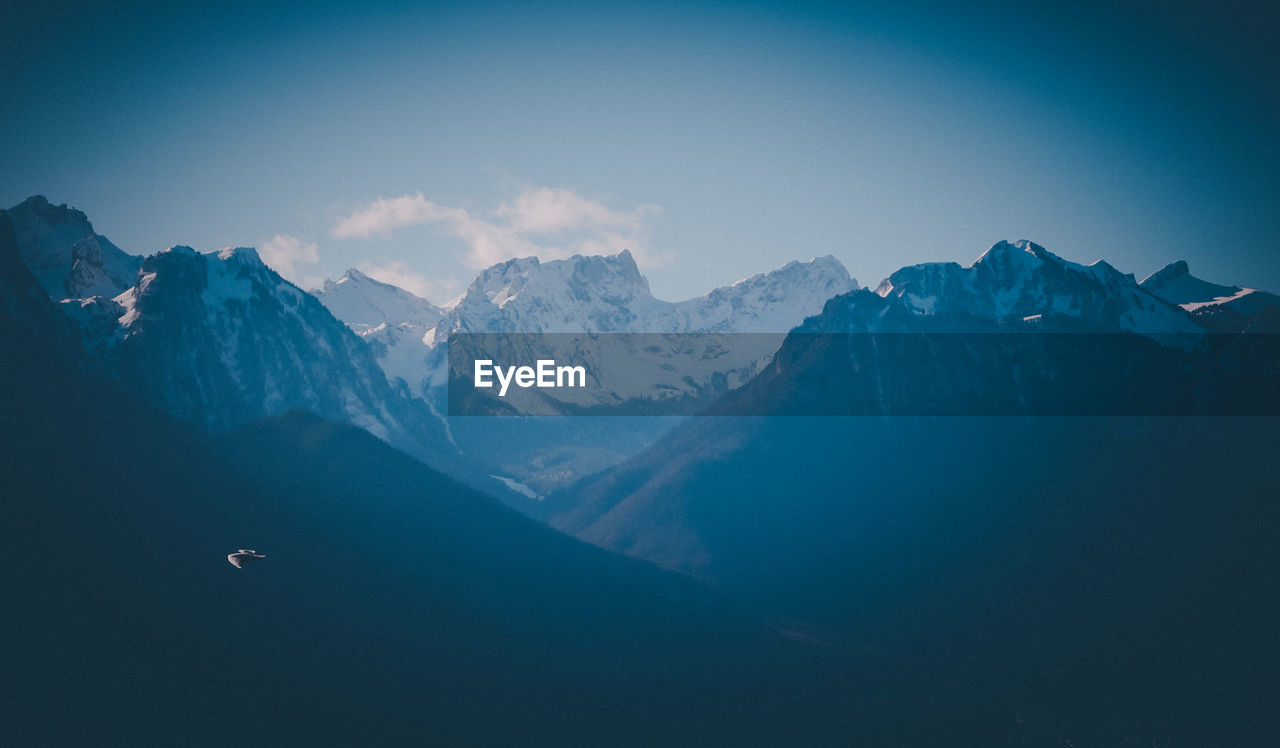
<point x="366" y="304"/>
<point x="220" y="339"/>
<point x="608" y="294"/>
<point x="1217" y="307"/>
<point x="580" y="294"/>
<point x="70" y="260"/>
<point x="1017" y="281"/>
<point x="723" y="498"/>
<point x="1175" y="284"/>
<point x="392" y="321"/>
<point x="217" y="338"/>
<point x="767" y="302"/>
<point x="597" y="294"/>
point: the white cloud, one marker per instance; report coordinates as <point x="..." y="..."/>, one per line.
<point x="284" y="254"/>
<point x="397" y="273"/>
<point x="549" y="211"/>
<point x="383" y="216"/>
<point x="546" y="223"/>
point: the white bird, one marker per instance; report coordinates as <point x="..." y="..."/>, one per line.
<point x="244" y="556"/>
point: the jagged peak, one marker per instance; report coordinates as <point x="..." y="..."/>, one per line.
<point x="179" y="255"/>
<point x="1175" y="284"/>
<point x="1102" y="267"/>
<point x="827" y="261"/>
<point x="243" y="255"/>
<point x="351" y="275"/>
<point x="824" y="265"/>
<point x="1167" y="273"/>
<point x="622" y="264"/>
<point x="40" y="206"/>
<point x="356" y="282"/>
<point x="1005" y="251"/>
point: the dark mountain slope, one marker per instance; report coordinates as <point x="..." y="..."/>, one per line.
<point x="394" y="605"/>
<point x="1105" y="578"/>
<point x="1118" y="574"/>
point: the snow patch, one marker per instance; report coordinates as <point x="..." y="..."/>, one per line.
<point x="518" y="487"/>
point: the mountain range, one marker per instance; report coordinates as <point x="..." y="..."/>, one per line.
<point x="215" y="338"/>
<point x="1100" y="572"/>
<point x="581" y="294"/>
<point x="394" y="604"/>
<point x="220" y="339"/>
<point x="1022" y="281"/>
<point x="899" y="578"/>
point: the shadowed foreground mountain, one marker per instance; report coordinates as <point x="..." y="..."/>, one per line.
<point x="1113" y="578"/>
<point x="394" y="605"/>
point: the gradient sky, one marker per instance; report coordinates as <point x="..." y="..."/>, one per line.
<point x="715" y="140"/>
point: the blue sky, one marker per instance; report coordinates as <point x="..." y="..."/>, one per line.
<point x="715" y="140"/>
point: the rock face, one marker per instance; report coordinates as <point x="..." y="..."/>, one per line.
<point x="221" y="340"/>
<point x="32" y="333"/>
<point x="70" y="260"/>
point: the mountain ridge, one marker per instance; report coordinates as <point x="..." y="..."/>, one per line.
<point x="385" y="609"/>
<point x="68" y="258"/>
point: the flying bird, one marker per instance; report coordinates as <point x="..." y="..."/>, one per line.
<point x="244" y="556"/>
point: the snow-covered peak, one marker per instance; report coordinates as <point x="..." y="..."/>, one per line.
<point x="240" y="255"/>
<point x="767" y="302"/>
<point x="1016" y="280"/>
<point x="224" y="281"/>
<point x="1175" y="284"/>
<point x="1016" y="256"/>
<point x="608" y="294"/>
<point x="365" y="304"/>
<point x="351" y="276"/>
<point x="581" y="293"/>
<point x="220" y="338"/>
<point x="578" y="294"/>
<point x="585" y="276"/>
<point x="826" y="266"/>
<point x="69" y="260"/>
<point x="1170" y="272"/>
<point x="1008" y="261"/>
